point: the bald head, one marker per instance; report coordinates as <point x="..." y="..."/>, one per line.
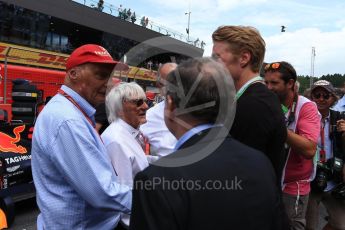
<point x="165" y="69"/>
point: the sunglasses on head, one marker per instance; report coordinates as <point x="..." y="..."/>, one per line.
<point x="319" y="95"/>
<point x="137" y="102"/>
<point x="274" y="65"/>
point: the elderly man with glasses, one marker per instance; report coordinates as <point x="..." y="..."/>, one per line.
<point x="124" y="142"/>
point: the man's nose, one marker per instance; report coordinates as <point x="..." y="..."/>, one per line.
<point x="145" y="106"/>
<point x="269" y="86"/>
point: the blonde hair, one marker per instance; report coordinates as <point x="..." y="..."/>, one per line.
<point x="243" y="38"/>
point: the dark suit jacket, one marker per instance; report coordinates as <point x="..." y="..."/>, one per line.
<point x="338" y="144"/>
<point x="232" y="188"/>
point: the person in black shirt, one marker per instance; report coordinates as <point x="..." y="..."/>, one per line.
<point x="101" y="118"/>
<point x="259" y="120"/>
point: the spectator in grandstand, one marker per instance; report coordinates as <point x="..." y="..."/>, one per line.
<point x="162" y="141"/>
<point x="196" y="42"/>
<point x="242" y="50"/>
<point x="133" y="17"/>
<point x="129" y="14"/>
<point x="122" y="139"/>
<point x="340" y="106"/>
<point x="142" y="21"/>
<point x="146" y="21"/>
<point x="175" y="203"/>
<point x="149" y="64"/>
<point x="202" y="44"/>
<point x="331" y="144"/>
<point x="303" y="130"/>
<point x="124" y="14"/>
<point x="100" y="4"/>
<point x="120" y="12"/>
<point x="76" y="185"/>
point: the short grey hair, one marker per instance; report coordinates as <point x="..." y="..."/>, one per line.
<point x="207" y="72"/>
<point x="119" y="93"/>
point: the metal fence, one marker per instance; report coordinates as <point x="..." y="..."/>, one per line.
<point x="116" y="11"/>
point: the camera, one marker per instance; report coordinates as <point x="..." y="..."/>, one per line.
<point x="339" y="191"/>
<point x="331" y="170"/>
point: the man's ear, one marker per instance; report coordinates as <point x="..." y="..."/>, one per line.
<point x="291" y="84"/>
<point x="73" y="74"/>
<point x="244" y="59"/>
<point x="120" y="113"/>
<point x="170" y="105"/>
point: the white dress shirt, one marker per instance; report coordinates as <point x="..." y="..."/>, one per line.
<point x="340" y="106"/>
<point x="125" y="152"/>
<point x="162" y="142"/>
<point x="327" y="147"/>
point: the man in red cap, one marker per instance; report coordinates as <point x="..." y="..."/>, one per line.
<point x="76" y="185"/>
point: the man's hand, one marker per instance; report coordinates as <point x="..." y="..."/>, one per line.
<point x="341" y="125"/>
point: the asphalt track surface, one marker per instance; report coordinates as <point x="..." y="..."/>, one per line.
<point x="27" y="211"/>
<point x="26" y="215"/>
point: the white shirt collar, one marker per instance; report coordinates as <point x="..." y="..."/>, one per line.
<point x="134" y="132"/>
<point x="326" y="118"/>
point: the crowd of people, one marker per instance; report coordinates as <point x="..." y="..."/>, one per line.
<point x="128" y="15"/>
<point x="225" y="149"/>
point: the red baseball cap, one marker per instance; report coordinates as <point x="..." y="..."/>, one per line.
<point x="92" y="53"/>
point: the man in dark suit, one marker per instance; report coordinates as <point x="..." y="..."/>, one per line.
<point x="211" y="181"/>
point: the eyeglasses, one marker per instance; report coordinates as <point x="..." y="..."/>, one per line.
<point x="319" y="95"/>
<point x="137" y="102"/>
<point x="274" y="65"/>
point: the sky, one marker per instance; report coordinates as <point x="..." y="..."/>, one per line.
<point x="309" y="23"/>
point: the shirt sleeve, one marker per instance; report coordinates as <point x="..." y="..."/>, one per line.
<point x="122" y="163"/>
<point x="86" y="167"/>
<point x="308" y="124"/>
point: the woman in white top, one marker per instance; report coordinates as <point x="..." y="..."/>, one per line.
<point x="126" y="105"/>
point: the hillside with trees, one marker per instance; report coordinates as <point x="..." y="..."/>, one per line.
<point x="337" y="80"/>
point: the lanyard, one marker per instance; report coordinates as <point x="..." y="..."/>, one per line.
<point x="291" y="118"/>
<point x="68" y="97"/>
<point x="322" y="135"/>
<point x="285" y="109"/>
<point x="245" y="86"/>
